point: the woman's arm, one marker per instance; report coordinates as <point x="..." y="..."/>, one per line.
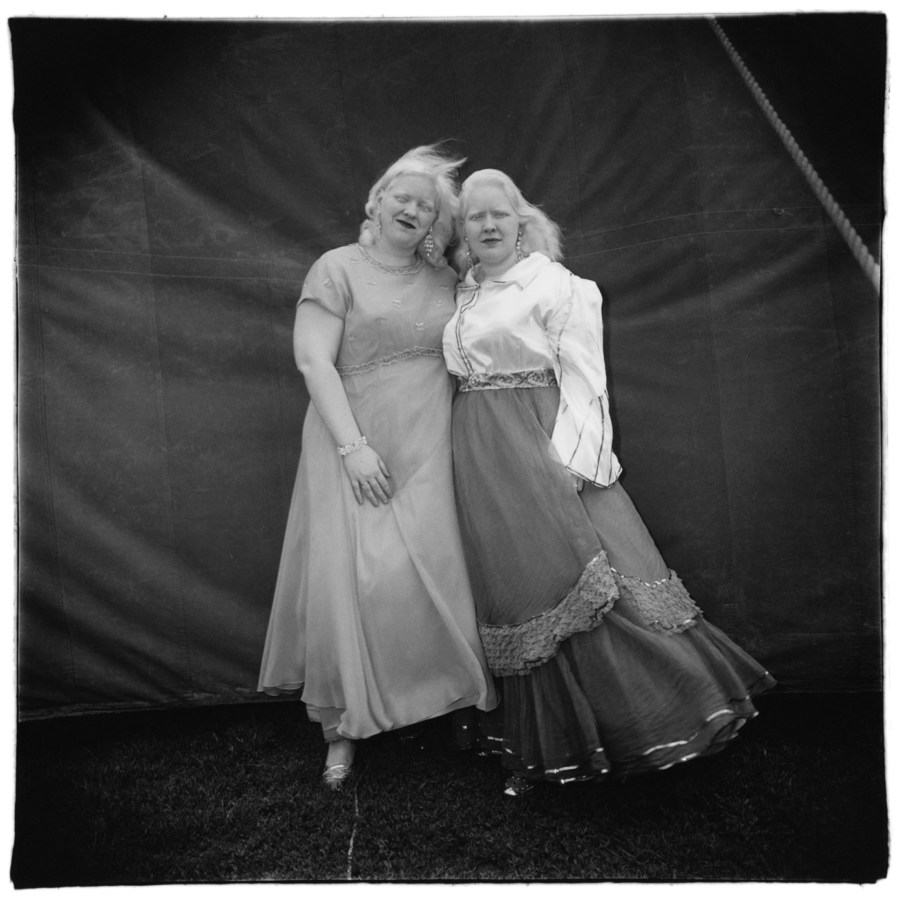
<point x="317" y="337"/>
<point x="583" y="434"/>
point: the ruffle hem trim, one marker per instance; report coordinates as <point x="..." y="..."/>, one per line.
<point x="663" y="605"/>
<point x="713" y="734"/>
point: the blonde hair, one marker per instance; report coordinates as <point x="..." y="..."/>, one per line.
<point x="441" y="169"/>
<point x="538" y="231"/>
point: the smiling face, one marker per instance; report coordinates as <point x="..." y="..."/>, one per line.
<point x="406" y="210"/>
<point x="491" y="226"/>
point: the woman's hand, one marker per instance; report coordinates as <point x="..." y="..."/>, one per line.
<point x="369" y="476"/>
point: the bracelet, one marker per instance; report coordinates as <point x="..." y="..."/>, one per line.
<point x="350" y="448"/>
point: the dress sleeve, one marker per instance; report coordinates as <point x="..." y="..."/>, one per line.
<point x="583" y="433"/>
<point x="326" y="286"/>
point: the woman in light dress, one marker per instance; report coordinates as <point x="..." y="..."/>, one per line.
<point x="373" y="618"/>
<point x="603" y="661"/>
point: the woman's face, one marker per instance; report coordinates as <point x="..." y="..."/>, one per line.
<point x="406" y="210"/>
<point x="491" y="226"/>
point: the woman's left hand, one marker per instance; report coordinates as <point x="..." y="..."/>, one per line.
<point x="368" y="475"/>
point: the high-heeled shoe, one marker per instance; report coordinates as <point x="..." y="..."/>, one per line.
<point x="517" y="786"/>
<point x="335" y="776"/>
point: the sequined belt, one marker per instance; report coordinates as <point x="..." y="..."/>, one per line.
<point x="496" y="381"/>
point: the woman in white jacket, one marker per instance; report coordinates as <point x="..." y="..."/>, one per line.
<point x="605" y="663"/>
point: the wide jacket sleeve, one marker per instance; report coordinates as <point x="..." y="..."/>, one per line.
<point x="583" y="434"/>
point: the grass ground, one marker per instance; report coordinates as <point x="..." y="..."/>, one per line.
<point x="232" y="794"/>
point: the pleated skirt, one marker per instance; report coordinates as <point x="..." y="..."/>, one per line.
<point x="604" y="662"/>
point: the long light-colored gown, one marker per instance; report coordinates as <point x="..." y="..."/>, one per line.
<point x="604" y="662"/>
<point x="373" y="615"/>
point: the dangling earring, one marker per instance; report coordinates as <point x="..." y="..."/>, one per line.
<point x="469" y="258"/>
<point x="519" y="246"/>
<point x="428" y="243"/>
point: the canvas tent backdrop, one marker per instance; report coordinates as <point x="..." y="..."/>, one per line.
<point x="176" y="180"/>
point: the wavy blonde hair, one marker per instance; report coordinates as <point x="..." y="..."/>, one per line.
<point x="538" y="231"/>
<point x="441" y="168"/>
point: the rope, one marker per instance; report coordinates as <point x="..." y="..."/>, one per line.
<point x="843" y="225"/>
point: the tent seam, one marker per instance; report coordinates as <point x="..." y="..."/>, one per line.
<point x="48" y="471"/>
<point x="571" y="136"/>
<point x="349" y="175"/>
<point x="161" y="405"/>
<point x="710" y="344"/>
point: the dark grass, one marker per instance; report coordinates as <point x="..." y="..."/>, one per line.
<point x="232" y="794"/>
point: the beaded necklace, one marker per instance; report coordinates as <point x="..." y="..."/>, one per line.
<point x="411" y="269"/>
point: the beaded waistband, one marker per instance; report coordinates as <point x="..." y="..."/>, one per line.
<point x="494" y="381"/>
<point x="389" y="360"/>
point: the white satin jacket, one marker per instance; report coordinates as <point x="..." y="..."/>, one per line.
<point x="540" y="316"/>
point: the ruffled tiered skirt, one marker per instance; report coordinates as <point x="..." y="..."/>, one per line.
<point x="604" y="662"/>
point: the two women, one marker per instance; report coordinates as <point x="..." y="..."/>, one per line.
<point x="373" y="615"/>
<point x="604" y="662"/>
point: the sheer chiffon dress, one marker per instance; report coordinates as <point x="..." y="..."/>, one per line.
<point x="373" y="615"/>
<point x="604" y="662"/>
